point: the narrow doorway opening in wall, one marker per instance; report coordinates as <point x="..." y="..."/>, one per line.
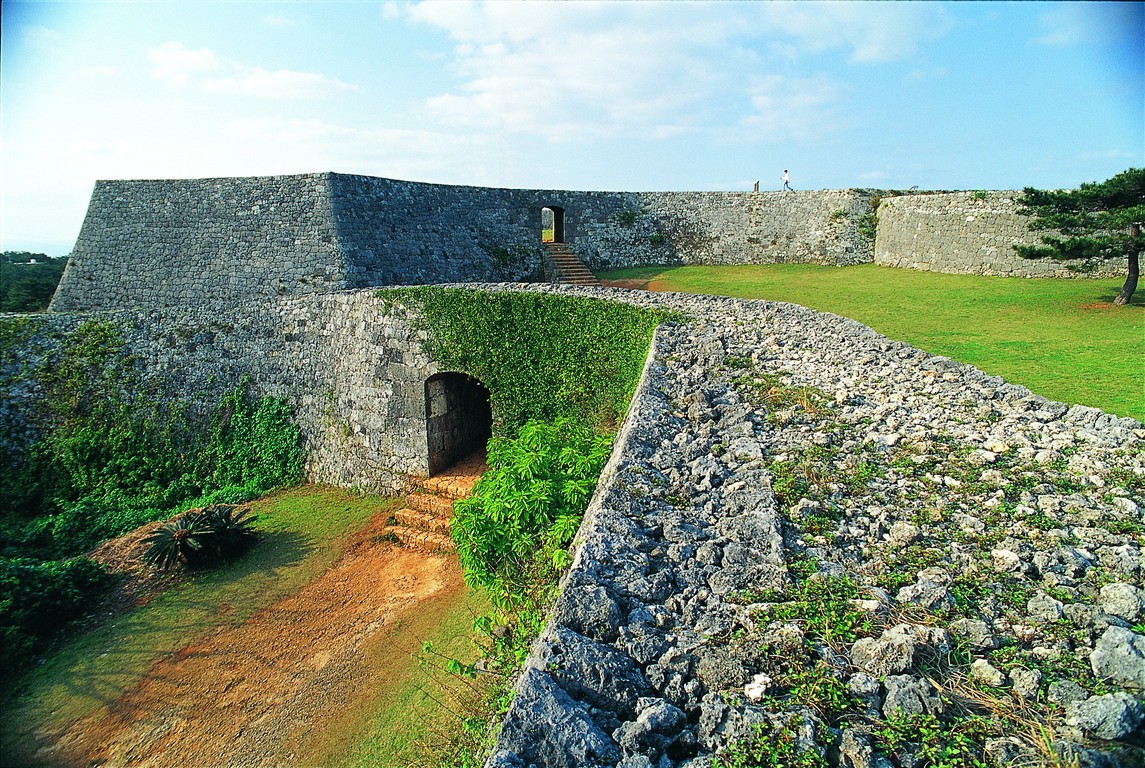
<point x="459" y="418"/>
<point x="552" y="224"/>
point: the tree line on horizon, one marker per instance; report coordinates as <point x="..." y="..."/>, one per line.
<point x="28" y="280"/>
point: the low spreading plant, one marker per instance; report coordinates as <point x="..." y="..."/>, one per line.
<point x="201" y="537"/>
<point x="826" y="609"/>
<point x="771" y="746"/>
<point x="930" y="743"/>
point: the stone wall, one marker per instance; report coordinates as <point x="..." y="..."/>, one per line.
<point x="188" y="242"/>
<point x="210" y="241"/>
<point x="662" y="649"/>
<point x="200" y="241"/>
<point x="354" y="375"/>
<point x="818" y="227"/>
<point x="965" y="233"/>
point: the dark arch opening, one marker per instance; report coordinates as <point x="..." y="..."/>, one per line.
<point x="552" y="224"/>
<point x="458" y="416"/>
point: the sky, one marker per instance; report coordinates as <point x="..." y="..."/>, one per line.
<point x="639" y="96"/>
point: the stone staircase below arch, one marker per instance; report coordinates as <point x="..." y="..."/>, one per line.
<point x="424" y="522"/>
<point x="564" y="266"/>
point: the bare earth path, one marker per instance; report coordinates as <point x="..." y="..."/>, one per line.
<point x="255" y="694"/>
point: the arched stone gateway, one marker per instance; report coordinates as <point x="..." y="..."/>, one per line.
<point x="459" y="419"/>
<point x="552" y="224"/>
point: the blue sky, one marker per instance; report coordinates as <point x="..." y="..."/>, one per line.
<point x="577" y="95"/>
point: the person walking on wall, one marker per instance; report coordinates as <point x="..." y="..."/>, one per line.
<point x="787" y="181"/>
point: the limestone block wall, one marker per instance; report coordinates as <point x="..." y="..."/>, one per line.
<point x="814" y="227"/>
<point x="354" y="376"/>
<point x="221" y="241"/>
<point x="180" y="243"/>
<point x="964" y="233"/>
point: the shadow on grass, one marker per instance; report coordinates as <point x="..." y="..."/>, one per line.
<point x="1107" y="297"/>
<point x="100" y="664"/>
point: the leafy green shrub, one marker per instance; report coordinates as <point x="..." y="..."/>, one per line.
<point x="116" y="453"/>
<point x="254" y="444"/>
<point x="531" y="500"/>
<point x="201" y="537"/>
<point x="38" y="599"/>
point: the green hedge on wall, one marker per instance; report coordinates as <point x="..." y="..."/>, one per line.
<point x="542" y="356"/>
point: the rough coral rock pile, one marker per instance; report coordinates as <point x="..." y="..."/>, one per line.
<point x="816" y="546"/>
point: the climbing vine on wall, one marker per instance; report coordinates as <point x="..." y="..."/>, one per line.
<point x="542" y="356"/>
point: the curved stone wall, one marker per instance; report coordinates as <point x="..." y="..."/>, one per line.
<point x="965" y="233"/>
<point x="665" y="648"/>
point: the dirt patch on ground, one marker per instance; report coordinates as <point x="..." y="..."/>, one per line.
<point x="250" y="695"/>
<point x="635" y="285"/>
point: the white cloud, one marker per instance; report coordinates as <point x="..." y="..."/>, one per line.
<point x="785" y="108"/>
<point x="179" y="64"/>
<point x="574" y="71"/>
<point x="873" y="32"/>
<point x="43" y="38"/>
<point x="203" y="68"/>
<point x="921" y="75"/>
<point x="278" y="20"/>
<point x="577" y="70"/>
<point x="277" y="84"/>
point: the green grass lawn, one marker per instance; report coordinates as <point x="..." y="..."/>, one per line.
<point x="304" y="530"/>
<point x="1059" y="337"/>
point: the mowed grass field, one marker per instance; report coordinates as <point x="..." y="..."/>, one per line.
<point x="1062" y="338"/>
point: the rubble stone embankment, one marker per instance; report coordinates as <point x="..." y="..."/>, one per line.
<point x="992" y="540"/>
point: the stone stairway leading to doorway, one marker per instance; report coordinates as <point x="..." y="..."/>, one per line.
<point x="424" y="523"/>
<point x="566" y="266"/>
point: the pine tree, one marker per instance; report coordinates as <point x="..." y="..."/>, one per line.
<point x="1098" y="220"/>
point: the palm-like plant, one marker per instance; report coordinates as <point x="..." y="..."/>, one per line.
<point x="174" y="542"/>
<point x="200" y="536"/>
<point x="227" y="529"/>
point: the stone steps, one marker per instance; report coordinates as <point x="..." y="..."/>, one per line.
<point x="411" y="518"/>
<point x="424" y="522"/>
<point x="568" y="267"/>
<point x="430" y="504"/>
<point x="427" y="541"/>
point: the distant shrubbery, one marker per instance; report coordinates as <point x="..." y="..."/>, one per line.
<point x="28" y="280"/>
<point x="111" y="454"/>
